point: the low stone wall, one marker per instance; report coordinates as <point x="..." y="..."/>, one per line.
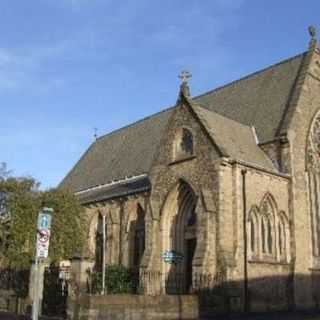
<point x="133" y="307"/>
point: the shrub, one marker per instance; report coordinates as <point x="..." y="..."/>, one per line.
<point x="118" y="280"/>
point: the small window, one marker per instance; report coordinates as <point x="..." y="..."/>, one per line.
<point x="269" y="237"/>
<point x="281" y="242"/>
<point x="282" y="237"/>
<point x="187" y="142"/>
<point x="252" y="236"/>
<point x="184" y="145"/>
<point x="263" y="235"/>
<point x="266" y="235"/>
<point x="139" y="237"/>
<point x="253" y="232"/>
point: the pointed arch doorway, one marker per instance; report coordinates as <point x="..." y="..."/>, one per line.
<point x="179" y="239"/>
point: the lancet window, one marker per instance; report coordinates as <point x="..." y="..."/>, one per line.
<point x="183" y="144"/>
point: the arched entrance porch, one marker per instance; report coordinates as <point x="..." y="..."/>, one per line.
<point x="179" y="239"/>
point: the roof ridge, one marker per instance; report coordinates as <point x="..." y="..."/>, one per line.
<point x="229" y="84"/>
<point x="135" y="123"/>
<point x="202" y="95"/>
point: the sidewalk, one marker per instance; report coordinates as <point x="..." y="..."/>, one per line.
<point x="10" y="316"/>
<point x="269" y="316"/>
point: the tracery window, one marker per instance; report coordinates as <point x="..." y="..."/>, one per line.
<point x="268" y="232"/>
<point x="184" y="144"/>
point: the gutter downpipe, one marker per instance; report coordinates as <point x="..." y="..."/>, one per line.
<point x="245" y="244"/>
<point x="104" y="255"/>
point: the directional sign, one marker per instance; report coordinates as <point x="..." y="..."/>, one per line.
<point x="172" y="257"/>
<point x="44" y="219"/>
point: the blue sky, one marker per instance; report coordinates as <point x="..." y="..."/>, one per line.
<point x="67" y="66"/>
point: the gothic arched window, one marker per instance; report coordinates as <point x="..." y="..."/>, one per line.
<point x="266" y="235"/>
<point x="263" y="235"/>
<point x="268" y="232"/>
<point x="252" y="236"/>
<point x="139" y="237"/>
<point x="269" y="236"/>
<point x="283" y="236"/>
<point x="184" y="144"/>
<point x="268" y="211"/>
<point x="99" y="244"/>
<point x="253" y="231"/>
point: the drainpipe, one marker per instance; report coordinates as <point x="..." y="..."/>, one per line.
<point x="104" y="254"/>
<point x="245" y="243"/>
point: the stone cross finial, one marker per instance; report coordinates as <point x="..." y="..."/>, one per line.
<point x="95" y="135"/>
<point x="313" y="32"/>
<point x="184" y="87"/>
<point x="184" y="76"/>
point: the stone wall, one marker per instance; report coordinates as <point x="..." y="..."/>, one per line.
<point x="120" y="214"/>
<point x="133" y="307"/>
<point x="268" y="275"/>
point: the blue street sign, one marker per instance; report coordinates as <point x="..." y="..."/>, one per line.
<point x="44" y="219"/>
<point x="172" y="257"/>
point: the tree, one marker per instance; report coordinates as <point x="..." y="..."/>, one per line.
<point x="4" y="172"/>
<point x="68" y="224"/>
<point x="20" y="202"/>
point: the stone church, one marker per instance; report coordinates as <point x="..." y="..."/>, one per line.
<point x="223" y="186"/>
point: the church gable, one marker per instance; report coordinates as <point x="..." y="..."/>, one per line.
<point x="235" y="140"/>
<point x="226" y="137"/>
<point x="185" y="142"/>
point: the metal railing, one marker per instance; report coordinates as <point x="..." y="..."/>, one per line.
<point x="16" y="280"/>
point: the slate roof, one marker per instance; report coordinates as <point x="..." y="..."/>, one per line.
<point x="234" y="139"/>
<point x="260" y="100"/>
<point x="123" y="153"/>
<point x="123" y="188"/>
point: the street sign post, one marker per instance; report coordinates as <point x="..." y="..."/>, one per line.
<point x="43" y="234"/>
<point x="42" y="250"/>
